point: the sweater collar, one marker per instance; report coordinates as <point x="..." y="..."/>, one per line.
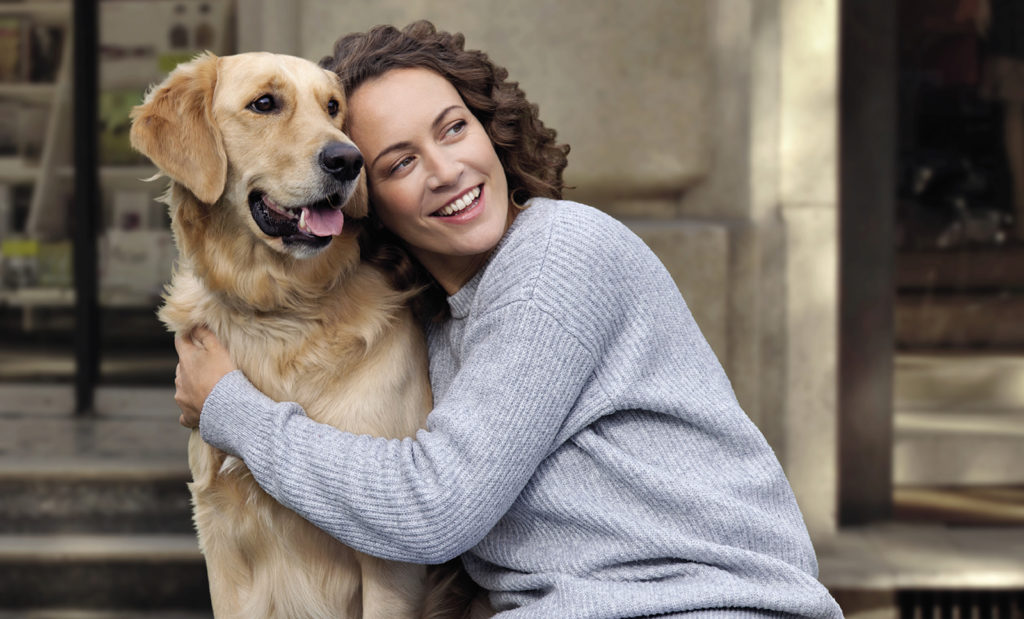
<point x="460" y="302"/>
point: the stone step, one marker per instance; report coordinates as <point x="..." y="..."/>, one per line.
<point x="102" y="573"/>
<point x="122" y="472"/>
<point x="958" y="420"/>
<point x="943" y="381"/>
<point x="927" y="320"/>
<point x="958" y="448"/>
<point x="967" y="268"/>
<point x="97" y="497"/>
<point x="959" y="505"/>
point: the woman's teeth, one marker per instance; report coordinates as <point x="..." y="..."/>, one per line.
<point x="462" y="202"/>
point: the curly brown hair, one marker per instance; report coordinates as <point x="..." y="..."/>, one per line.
<point x="533" y="161"/>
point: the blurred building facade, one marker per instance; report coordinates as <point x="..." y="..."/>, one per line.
<point x="756" y="146"/>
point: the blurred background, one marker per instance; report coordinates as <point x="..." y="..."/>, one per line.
<point x="837" y="187"/>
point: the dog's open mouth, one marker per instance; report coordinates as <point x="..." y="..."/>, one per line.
<point x="309" y="223"/>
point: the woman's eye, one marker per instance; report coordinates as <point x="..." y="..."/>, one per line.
<point x="332" y="107"/>
<point x="263" y="104"/>
<point x="401" y="164"/>
<point x="457" y="128"/>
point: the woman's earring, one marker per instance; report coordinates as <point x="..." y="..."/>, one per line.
<point x="524" y="197"/>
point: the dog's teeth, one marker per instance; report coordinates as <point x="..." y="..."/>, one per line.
<point x="302" y="221"/>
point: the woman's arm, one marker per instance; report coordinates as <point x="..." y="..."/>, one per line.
<point x="430" y="499"/>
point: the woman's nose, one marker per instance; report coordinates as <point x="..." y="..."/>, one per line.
<point x="445" y="170"/>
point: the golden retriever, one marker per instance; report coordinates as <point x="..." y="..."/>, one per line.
<point x="265" y="196"/>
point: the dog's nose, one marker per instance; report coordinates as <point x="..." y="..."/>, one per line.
<point x="341" y="160"/>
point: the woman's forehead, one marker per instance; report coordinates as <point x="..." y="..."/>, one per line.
<point x="398" y="101"/>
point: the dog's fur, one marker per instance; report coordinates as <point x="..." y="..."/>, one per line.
<point x="301" y="315"/>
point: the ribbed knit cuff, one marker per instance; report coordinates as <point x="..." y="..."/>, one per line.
<point x="233" y="414"/>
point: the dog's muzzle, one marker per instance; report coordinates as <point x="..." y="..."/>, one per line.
<point x="313" y="225"/>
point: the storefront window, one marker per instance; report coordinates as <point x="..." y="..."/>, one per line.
<point x="959" y="383"/>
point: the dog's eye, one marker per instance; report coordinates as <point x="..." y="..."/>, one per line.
<point x="332" y="107"/>
<point x="263" y="104"/>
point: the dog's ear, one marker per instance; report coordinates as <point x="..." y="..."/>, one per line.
<point x="174" y="127"/>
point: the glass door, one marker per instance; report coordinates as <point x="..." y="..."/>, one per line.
<point x="959" y="366"/>
<point x="81" y="274"/>
<point x="37" y="320"/>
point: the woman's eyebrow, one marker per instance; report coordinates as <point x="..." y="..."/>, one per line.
<point x="444" y="112"/>
<point x="393" y="147"/>
<point x="406" y="144"/>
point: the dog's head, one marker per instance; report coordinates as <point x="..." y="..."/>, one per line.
<point x="259" y="134"/>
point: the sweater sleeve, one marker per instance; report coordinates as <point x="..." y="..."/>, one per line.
<point x="428" y="499"/>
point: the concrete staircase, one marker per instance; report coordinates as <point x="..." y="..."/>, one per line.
<point x="95" y="519"/>
<point x="959" y="386"/>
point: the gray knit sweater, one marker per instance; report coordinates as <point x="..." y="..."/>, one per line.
<point x="586" y="455"/>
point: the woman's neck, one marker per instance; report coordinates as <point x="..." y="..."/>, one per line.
<point x="454" y="272"/>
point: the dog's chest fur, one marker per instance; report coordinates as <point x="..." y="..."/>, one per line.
<point x="329" y="361"/>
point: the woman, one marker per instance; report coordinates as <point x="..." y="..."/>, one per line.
<point x="586" y="455"/>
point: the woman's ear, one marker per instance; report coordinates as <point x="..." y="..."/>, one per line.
<point x="174" y="127"/>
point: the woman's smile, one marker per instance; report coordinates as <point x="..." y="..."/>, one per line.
<point x="469" y="200"/>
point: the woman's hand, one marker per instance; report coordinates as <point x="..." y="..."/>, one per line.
<point x="202" y="361"/>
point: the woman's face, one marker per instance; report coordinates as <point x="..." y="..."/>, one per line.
<point x="434" y="177"/>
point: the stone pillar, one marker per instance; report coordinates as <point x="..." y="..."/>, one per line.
<point x="808" y="198"/>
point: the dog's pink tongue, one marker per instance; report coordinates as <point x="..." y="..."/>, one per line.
<point x="324" y="221"/>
